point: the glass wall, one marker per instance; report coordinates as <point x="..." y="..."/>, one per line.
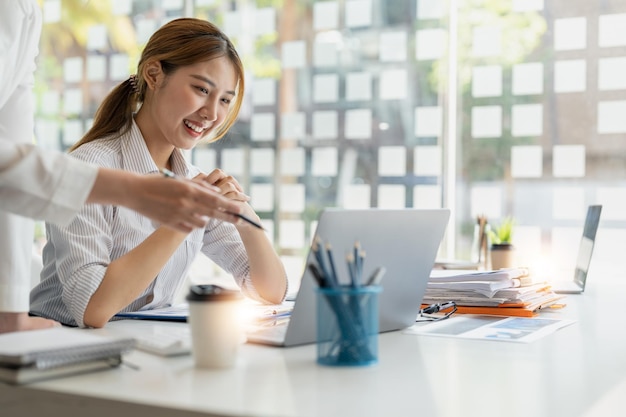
<point x="487" y="107"/>
<point x="542" y="105"/>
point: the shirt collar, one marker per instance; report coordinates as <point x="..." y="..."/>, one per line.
<point x="137" y="158"/>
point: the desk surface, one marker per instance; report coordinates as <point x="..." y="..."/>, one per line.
<point x="578" y="371"/>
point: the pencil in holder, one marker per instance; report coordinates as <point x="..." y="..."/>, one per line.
<point x="347" y="325"/>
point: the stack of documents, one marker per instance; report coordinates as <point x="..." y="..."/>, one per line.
<point x="503" y="292"/>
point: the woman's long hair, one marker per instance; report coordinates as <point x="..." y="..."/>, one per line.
<point x="179" y="43"/>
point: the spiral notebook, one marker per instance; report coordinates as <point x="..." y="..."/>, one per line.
<point x="43" y="354"/>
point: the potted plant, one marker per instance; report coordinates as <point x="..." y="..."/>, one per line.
<point x="502" y="250"/>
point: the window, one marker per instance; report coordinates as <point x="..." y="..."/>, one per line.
<point x="489" y="108"/>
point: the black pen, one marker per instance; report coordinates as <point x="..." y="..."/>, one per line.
<point x="244" y="218"/>
<point x="169" y="174"/>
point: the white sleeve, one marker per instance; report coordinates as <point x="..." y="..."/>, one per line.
<point x="43" y="184"/>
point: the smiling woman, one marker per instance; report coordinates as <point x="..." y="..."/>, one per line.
<point x="179" y="44"/>
<point x="189" y="86"/>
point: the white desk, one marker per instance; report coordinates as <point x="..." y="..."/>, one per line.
<point x="578" y="371"/>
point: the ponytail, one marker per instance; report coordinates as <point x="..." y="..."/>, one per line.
<point x="115" y="115"/>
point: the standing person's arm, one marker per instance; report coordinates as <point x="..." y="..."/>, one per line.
<point x="53" y="187"/>
<point x="180" y="204"/>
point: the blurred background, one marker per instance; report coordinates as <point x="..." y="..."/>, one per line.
<point x="489" y="108"/>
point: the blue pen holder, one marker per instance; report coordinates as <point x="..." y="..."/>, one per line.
<point x="347" y="325"/>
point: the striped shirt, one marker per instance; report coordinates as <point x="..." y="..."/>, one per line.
<point x="76" y="257"/>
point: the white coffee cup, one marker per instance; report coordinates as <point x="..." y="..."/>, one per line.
<point x="216" y="331"/>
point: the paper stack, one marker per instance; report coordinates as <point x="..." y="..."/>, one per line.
<point x="503" y="292"/>
<point x="37" y="355"/>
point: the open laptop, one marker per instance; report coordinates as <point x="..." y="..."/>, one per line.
<point x="404" y="241"/>
<point x="585" y="251"/>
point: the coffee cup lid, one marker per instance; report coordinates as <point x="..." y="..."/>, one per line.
<point x="209" y="292"/>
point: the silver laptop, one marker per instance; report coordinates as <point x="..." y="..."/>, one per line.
<point x="585" y="251"/>
<point x="404" y="241"/>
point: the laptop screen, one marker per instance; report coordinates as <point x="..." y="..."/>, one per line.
<point x="587" y="243"/>
<point x="404" y="241"/>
